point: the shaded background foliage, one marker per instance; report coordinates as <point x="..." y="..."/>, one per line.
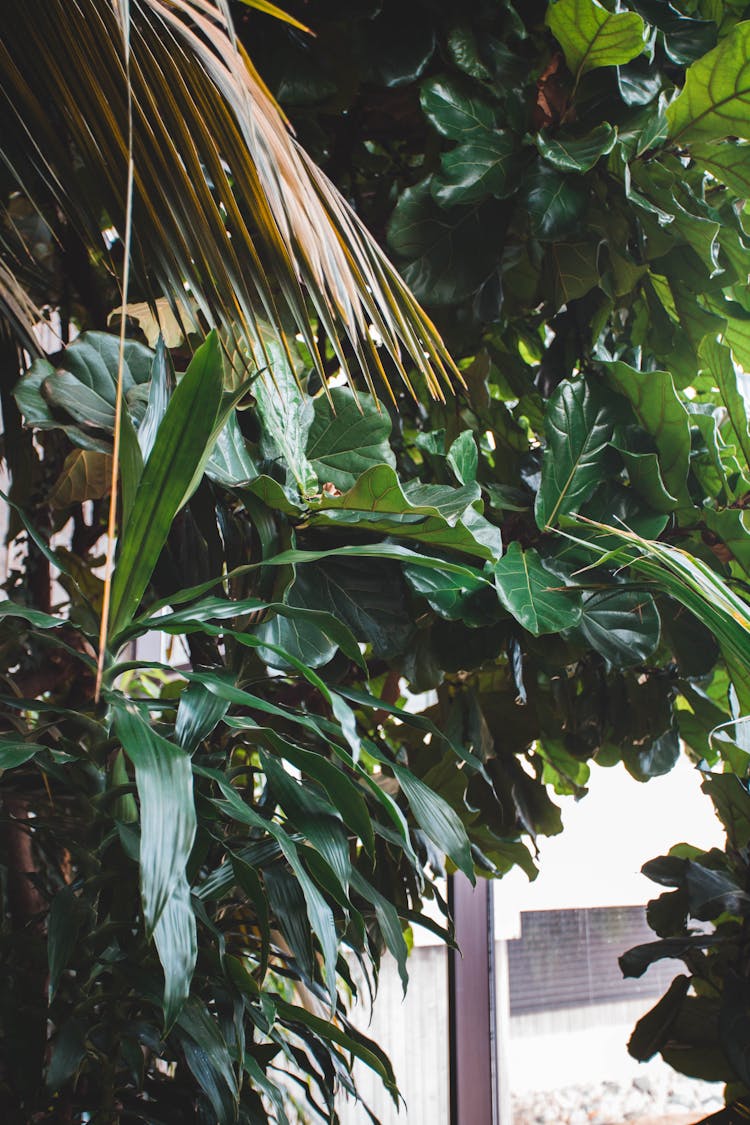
<point x="578" y="236"/>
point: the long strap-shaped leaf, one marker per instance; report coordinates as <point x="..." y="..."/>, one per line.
<point x="182" y="447"/>
<point x="164" y="780"/>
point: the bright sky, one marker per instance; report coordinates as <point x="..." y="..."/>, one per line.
<point x="607" y="837"/>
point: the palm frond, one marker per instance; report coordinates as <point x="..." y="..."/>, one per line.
<point x="691" y="582"/>
<point x="18" y="309"/>
<point x="226" y="202"/>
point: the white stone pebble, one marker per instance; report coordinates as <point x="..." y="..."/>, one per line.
<point x="670" y="1100"/>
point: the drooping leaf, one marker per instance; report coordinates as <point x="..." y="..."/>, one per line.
<point x="591" y="37"/>
<point x="435" y="817"/>
<point x="652" y="1030"/>
<point x="86" y="475"/>
<point x="388" y="920"/>
<point x="231" y="204"/>
<point x="579" y="426"/>
<point x="348" y="1038"/>
<point x="536" y="597"/>
<point x="165" y="791"/>
<point x="66" y="917"/>
<point x="319" y="912"/>
<point x="206" y="1054"/>
<point x="438" y="516"/>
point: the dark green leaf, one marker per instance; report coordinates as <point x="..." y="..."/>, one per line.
<point x="454" y="113"/>
<point x="635" y="962"/>
<point x="577" y="154"/>
<point x="623" y="625"/>
<point x="348" y="434"/>
<point x="436" y="817"/>
<point x="477" y="169"/>
<point x="64" y="922"/>
<point x="209" y="1059"/>
<point x="389" y="922"/>
<point x="659" y="410"/>
<point x="555" y="203"/>
<point x="181" y="449"/>
<point x="578" y="425"/>
<point x="463" y="458"/>
<point x="536" y="597"/>
<point x="652" y="1030"/>
<point x="198" y="713"/>
<point x="448" y="253"/>
<point x="165" y="792"/>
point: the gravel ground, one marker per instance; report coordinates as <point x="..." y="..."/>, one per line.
<point x="672" y="1100"/>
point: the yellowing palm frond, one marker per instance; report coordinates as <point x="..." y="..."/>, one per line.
<point x="225" y="202"/>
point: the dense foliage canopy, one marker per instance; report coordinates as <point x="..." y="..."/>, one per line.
<point x="562" y="186"/>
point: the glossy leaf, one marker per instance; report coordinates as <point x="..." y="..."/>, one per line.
<point x="729" y="163"/>
<point x="159" y="390"/>
<point x="206" y="1054"/>
<point x="477" y="169"/>
<point x="661" y="413"/>
<point x="287" y="415"/>
<point x="715" y="100"/>
<point x="165" y="792"/>
<point x="463" y="458"/>
<point x="454" y="113"/>
<point x="534" y="595"/>
<point x="198" y="713"/>
<point x="579" y="426"/>
<point x="592" y="37"/>
<point x="347" y="436"/>
<point x="623" y="625"/>
<point x="719" y="362"/>
<point x="353" y="1041"/>
<point x="577" y="154"/>
<point x="440" y="517"/>
<point x="555" y="203"/>
<point x="181" y="449"/>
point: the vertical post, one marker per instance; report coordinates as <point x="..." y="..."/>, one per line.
<point x="471" y="986"/>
